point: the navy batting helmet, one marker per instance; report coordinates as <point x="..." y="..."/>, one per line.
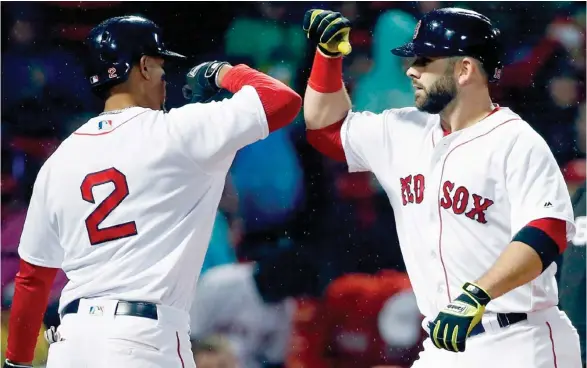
<point x="457" y="32"/>
<point x="117" y="43"/>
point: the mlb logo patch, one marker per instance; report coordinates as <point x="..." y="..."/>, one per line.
<point x="105" y="124"/>
<point x="96" y="310"/>
<point x="94" y="79"/>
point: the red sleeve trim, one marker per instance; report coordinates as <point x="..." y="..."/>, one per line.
<point x="328" y="141"/>
<point x="326" y="75"/>
<point x="556" y="229"/>
<point x="32" y="288"/>
<point x="281" y="103"/>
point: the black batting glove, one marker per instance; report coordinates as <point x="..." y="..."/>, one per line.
<point x="329" y="30"/>
<point x="201" y="81"/>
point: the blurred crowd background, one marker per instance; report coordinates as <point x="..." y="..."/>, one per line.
<point x="303" y="269"/>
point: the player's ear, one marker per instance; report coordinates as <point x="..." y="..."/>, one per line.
<point x="465" y="68"/>
<point x="144" y="64"/>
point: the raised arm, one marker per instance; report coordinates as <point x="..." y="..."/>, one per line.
<point x="210" y="132"/>
<point x="326" y="101"/>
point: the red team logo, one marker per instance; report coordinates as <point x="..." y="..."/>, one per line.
<point x="412" y="189"/>
<point x="459" y="200"/>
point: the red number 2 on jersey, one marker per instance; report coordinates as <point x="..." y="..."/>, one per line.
<point x="96" y="235"/>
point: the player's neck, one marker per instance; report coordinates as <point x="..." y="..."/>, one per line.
<point x="467" y="110"/>
<point x="120" y="101"/>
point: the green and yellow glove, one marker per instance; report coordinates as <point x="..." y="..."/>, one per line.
<point x="454" y="323"/>
<point x="329" y="30"/>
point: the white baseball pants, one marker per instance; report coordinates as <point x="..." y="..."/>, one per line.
<point x="96" y="338"/>
<point x="546" y="340"/>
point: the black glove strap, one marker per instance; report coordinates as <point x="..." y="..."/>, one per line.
<point x="328" y="53"/>
<point x="201" y="81"/>
<point x="211" y="73"/>
<point x="476" y="292"/>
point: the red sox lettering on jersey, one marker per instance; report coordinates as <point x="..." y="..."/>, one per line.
<point x="456" y="199"/>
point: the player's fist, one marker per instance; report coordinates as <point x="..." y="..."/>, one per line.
<point x="202" y="81"/>
<point x="329" y="30"/>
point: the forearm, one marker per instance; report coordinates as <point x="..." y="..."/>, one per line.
<point x="531" y="251"/>
<point x="517" y="265"/>
<point x="32" y="287"/>
<point x="326" y="100"/>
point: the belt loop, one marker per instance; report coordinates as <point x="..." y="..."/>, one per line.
<point x="502" y="319"/>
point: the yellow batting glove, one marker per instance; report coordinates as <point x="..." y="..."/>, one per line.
<point x="454" y="323"/>
<point x="329" y="30"/>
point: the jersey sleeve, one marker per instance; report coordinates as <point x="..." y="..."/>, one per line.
<point x="535" y="185"/>
<point x="39" y="243"/>
<point x="210" y="133"/>
<point x="363" y="138"/>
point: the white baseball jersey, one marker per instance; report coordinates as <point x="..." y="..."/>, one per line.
<point x="126" y="204"/>
<point x="460" y="199"/>
<point x="227" y="302"/>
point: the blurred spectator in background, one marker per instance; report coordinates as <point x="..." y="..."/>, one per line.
<point x="227" y="230"/>
<point x="361" y="321"/>
<point x="268" y="178"/>
<point x="250" y="304"/>
<point x="386" y="85"/>
<point x="48" y="76"/>
<point x="547" y="86"/>
<point x="214" y="352"/>
<point x="267" y="37"/>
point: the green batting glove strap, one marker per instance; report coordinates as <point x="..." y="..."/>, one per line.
<point x="477" y="293"/>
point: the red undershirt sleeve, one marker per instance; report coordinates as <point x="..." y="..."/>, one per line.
<point x="32" y="288"/>
<point x="281" y="103"/>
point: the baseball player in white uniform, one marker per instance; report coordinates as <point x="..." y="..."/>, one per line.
<point x="228" y="302"/>
<point x="126" y="204"/>
<point x="252" y="304"/>
<point x="481" y="206"/>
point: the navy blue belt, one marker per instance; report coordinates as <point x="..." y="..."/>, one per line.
<point x="123" y="308"/>
<point x="503" y="319"/>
